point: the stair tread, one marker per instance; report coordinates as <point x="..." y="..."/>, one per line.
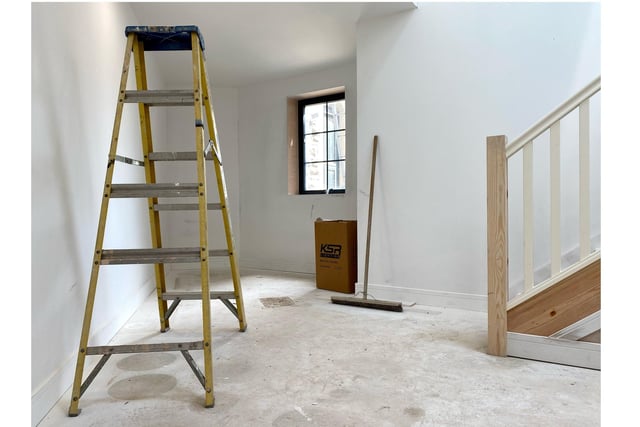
<point x="159" y="156"/>
<point x="196" y="295"/>
<point x="154" y="190"/>
<point x="144" y="348"/>
<point x="184" y="206"/>
<point x="180" y="97"/>
<point x="156" y="255"/>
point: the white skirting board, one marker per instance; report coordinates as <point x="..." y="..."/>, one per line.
<point x="427" y="297"/>
<point x="284" y="265"/>
<point x="554" y="350"/>
<point x="543" y="272"/>
<point x="580" y="329"/>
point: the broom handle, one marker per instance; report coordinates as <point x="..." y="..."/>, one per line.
<point x="373" y="176"/>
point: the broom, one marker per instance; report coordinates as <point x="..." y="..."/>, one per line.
<point x="365" y="302"/>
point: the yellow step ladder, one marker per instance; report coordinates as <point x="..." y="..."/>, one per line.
<point x="139" y="40"/>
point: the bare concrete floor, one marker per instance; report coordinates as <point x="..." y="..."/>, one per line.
<point x="314" y="363"/>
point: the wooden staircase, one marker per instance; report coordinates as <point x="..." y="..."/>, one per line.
<point x="561" y="323"/>
<point x="568" y="301"/>
<point x="557" y="320"/>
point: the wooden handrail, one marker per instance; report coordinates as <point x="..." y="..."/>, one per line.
<point x="561" y="111"/>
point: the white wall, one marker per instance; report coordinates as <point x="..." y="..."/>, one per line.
<point x="77" y="56"/>
<point x="433" y="84"/>
<point x="180" y="229"/>
<point x="586" y="68"/>
<point x="276" y="228"/>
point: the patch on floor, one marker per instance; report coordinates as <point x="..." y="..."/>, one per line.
<point x="276" y="302"/>
<point x="146" y="361"/>
<point x="142" y="386"/>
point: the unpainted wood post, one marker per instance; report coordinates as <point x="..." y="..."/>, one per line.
<point x="497" y="245"/>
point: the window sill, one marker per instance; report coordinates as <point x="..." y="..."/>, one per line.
<point x="329" y="193"/>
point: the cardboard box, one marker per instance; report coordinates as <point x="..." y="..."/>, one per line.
<point x="336" y="255"/>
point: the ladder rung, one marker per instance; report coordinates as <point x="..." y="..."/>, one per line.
<point x="166" y="98"/>
<point x="129" y="160"/>
<point x="154" y="190"/>
<point x="155" y="255"/>
<point x="172" y="295"/>
<point x="160" y="156"/>
<point x="185" y="206"/>
<point x="145" y="348"/>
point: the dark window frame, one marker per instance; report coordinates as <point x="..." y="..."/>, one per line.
<point x="301" y="146"/>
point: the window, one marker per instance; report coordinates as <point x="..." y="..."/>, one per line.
<point x="322" y="144"/>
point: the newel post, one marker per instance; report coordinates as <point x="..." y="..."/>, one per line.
<point x="497" y="245"/>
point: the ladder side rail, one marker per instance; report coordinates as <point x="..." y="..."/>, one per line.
<point x="150" y="177"/>
<point x="224" y="201"/>
<point x="202" y="214"/>
<point x="86" y="323"/>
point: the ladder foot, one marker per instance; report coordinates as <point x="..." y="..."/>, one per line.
<point x="74" y="414"/>
<point x="243" y="328"/>
<point x="210" y="405"/>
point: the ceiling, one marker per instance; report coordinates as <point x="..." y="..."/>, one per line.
<point x="247" y="43"/>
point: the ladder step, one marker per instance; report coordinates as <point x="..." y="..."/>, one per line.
<point x="145" y="348"/>
<point x="167" y="98"/>
<point x="195" y="295"/>
<point x="159" y="156"/>
<point x="154" y="190"/>
<point x="155" y="255"/>
<point x="184" y="207"/>
<point x="165" y="37"/>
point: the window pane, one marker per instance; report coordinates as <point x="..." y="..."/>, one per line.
<point x="315" y="177"/>
<point x="314" y="118"/>
<point x="336" y="175"/>
<point x="323" y="147"/>
<point x="336" y="145"/>
<point x="315" y="148"/>
<point x="336" y="115"/>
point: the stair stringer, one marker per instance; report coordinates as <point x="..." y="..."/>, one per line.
<point x="548" y="325"/>
<point x="554" y="350"/>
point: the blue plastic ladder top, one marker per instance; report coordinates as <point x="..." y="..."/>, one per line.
<point x="166" y="37"/>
